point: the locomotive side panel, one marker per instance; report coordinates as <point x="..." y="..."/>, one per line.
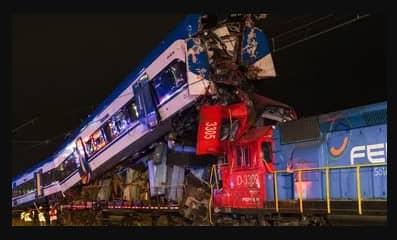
<point x="367" y="146"/>
<point x="357" y="138"/>
<point x="293" y="160"/>
<point x="349" y="138"/>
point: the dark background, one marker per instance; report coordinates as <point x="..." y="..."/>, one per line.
<point x="64" y="65"/>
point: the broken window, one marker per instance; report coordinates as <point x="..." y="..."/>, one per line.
<point x="226" y="133"/>
<point x="168" y="81"/>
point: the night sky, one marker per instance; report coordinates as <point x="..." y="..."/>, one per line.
<point x="63" y="66"/>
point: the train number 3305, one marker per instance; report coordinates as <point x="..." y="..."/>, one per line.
<point x="210" y="130"/>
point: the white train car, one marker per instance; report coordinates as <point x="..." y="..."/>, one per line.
<point x="137" y="113"/>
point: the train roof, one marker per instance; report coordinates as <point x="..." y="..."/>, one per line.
<point x="357" y="110"/>
<point x="356" y="117"/>
<point x="188" y="27"/>
<point x="310" y="128"/>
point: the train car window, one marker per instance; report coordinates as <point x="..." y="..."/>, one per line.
<point x="111" y="130"/>
<point x="169" y="80"/>
<point x="163" y="85"/>
<point x="178" y="69"/>
<point x="26" y="187"/>
<point x="32" y="185"/>
<point x="15" y="192"/>
<point x="267" y="152"/>
<point x="66" y="167"/>
<point x="121" y="120"/>
<point x="89" y="146"/>
<point x="57" y="174"/>
<point x="61" y="173"/>
<point x="29" y="186"/>
<point x="18" y="190"/>
<point x="226" y="133"/>
<point x="242" y="156"/>
<point x="48" y="177"/>
<point x="45" y="178"/>
<point x="71" y="163"/>
<point x="117" y="124"/>
<point x="53" y="175"/>
<point x="23" y="189"/>
<point x="98" y="139"/>
<point x="132" y="111"/>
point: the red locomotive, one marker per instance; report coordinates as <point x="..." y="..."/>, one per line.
<point x="275" y="172"/>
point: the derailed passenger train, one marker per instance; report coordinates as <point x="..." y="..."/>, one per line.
<point x="136" y="113"/>
<point x="151" y="103"/>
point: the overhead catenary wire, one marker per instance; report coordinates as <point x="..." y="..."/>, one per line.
<point x="273" y="39"/>
<point x="357" y="18"/>
<point x="24" y="124"/>
<point x="38" y="143"/>
<point x="303" y="26"/>
<point x="29" y="141"/>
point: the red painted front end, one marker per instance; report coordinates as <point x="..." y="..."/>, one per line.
<point x="242" y="177"/>
<point x="210" y="123"/>
<point x="243" y="182"/>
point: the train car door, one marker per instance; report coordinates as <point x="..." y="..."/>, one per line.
<point x="147" y="110"/>
<point x="39" y="186"/>
<point x="84" y="169"/>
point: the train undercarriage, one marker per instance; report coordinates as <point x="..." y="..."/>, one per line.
<point x="115" y="213"/>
